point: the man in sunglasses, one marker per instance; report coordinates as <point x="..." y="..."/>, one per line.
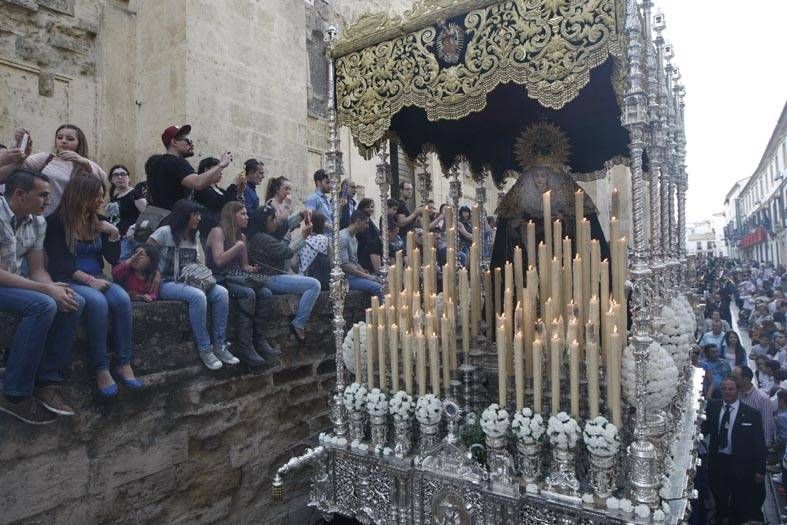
<point x="171" y="177"/>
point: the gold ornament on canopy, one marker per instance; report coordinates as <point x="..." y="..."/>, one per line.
<point x="542" y="144"/>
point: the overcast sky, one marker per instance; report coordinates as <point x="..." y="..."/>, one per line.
<point x="732" y="59"/>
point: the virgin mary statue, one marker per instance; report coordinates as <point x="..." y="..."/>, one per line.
<point x="542" y="151"/>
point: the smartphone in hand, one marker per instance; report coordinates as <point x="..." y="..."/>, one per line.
<point x="23" y="142"/>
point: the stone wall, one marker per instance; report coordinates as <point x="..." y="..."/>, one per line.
<point x="193" y="447"/>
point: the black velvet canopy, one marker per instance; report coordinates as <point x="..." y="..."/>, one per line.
<point x="486" y="138"/>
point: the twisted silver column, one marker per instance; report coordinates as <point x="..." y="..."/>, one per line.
<point x="383" y="180"/>
<point x="338" y="287"/>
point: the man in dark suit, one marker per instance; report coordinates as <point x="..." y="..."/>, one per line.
<point x="736" y="456"/>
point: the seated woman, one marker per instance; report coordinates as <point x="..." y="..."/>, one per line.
<point x="180" y="237"/>
<point x="129" y="202"/>
<point x="315" y="257"/>
<point x="229" y="260"/>
<point x="270" y="252"/>
<point x="370" y="247"/>
<point x="212" y="199"/>
<point x="139" y="274"/>
<point x="77" y="242"/>
<point x="277" y="195"/>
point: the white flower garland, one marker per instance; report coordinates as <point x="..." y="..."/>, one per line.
<point x="661" y="379"/>
<point x="355" y="397"/>
<point x="563" y="431"/>
<point x="601" y="437"/>
<point x="495" y="421"/>
<point x="429" y="410"/>
<point x="402" y="406"/>
<point x="528" y="427"/>
<point x="348" y="354"/>
<point x="376" y="403"/>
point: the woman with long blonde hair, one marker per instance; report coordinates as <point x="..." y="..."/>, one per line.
<point x="77" y="242"/>
<point x="227" y="256"/>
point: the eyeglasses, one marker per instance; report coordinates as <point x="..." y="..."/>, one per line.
<point x="186" y="140"/>
<point x="119" y="174"/>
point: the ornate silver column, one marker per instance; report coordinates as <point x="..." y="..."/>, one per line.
<point x="383" y="180"/>
<point x="654" y="152"/>
<point x="455" y="190"/>
<point x="682" y="182"/>
<point x="668" y="153"/>
<point x="480" y="198"/>
<point x="641" y="452"/>
<point x="423" y="181"/>
<point x="338" y="288"/>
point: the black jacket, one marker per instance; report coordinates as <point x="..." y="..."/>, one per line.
<point x="748" y="441"/>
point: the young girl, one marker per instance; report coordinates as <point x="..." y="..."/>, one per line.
<point x="70" y="155"/>
<point x="181" y="235"/>
<point x="139" y="275"/>
<point x="77" y="243"/>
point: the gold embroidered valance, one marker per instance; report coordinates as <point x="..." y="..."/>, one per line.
<point x="448" y="68"/>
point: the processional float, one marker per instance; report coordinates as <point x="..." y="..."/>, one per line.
<point x="578" y="402"/>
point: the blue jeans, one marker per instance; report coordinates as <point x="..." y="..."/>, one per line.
<point x="42" y="344"/>
<point x="198" y="310"/>
<point x="307" y="287"/>
<point x="127" y="247"/>
<point x="109" y="309"/>
<point x="366" y="285"/>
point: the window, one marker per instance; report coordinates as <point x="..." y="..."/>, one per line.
<point x="699" y="246"/>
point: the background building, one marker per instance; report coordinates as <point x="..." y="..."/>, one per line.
<point x="758" y="230"/>
<point x="706" y="237"/>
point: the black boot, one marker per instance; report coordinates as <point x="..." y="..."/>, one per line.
<point x="243" y="348"/>
<point x="266" y="350"/>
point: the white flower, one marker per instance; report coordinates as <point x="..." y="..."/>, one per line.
<point x="495" y="421"/>
<point x="402" y="406"/>
<point x="587" y="498"/>
<point x="563" y="431"/>
<point x="528" y="427"/>
<point x="348" y="354"/>
<point x="601" y="437"/>
<point x="531" y="488"/>
<point x="642" y="511"/>
<point x="354" y="397"/>
<point x="376" y="403"/>
<point x="661" y="377"/>
<point x="626" y="506"/>
<point x="613" y="503"/>
<point x="429" y="410"/>
<point x="659" y="515"/>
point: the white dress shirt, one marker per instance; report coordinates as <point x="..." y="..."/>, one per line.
<point x="733" y="412"/>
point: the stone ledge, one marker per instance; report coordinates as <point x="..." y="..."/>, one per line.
<point x="163" y="339"/>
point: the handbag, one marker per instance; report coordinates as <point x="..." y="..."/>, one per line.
<point x="193" y="274"/>
<point x="148" y="221"/>
<point x="241" y="277"/>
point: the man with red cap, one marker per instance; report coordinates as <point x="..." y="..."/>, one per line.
<point x="171" y="177"/>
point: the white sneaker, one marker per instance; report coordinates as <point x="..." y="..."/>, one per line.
<point x="223" y="353"/>
<point x="209" y="360"/>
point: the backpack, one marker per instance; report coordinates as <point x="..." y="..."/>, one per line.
<point x="149" y="221"/>
<point x="320" y="269"/>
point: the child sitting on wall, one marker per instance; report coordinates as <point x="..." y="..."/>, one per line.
<point x="139" y="275"/>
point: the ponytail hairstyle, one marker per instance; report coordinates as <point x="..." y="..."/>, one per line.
<point x="82" y="147"/>
<point x="112" y="184"/>
<point x="274" y="184"/>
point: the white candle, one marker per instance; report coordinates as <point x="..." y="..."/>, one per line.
<point x="519" y="372"/>
<point x="393" y="338"/>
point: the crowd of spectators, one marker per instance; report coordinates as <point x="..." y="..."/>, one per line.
<point x="746" y="387"/>
<point x="78" y="245"/>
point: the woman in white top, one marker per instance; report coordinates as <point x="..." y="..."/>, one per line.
<point x="71" y="153"/>
<point x="277" y="195"/>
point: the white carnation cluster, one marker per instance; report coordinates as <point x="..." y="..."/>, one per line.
<point x="563" y="431"/>
<point x="429" y="410"/>
<point x="661" y="380"/>
<point x="354" y="397"/>
<point x="676" y="335"/>
<point x="601" y="437"/>
<point x="495" y="421"/>
<point x="376" y="403"/>
<point x="528" y="427"/>
<point x="348" y="354"/>
<point x="402" y="406"/>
